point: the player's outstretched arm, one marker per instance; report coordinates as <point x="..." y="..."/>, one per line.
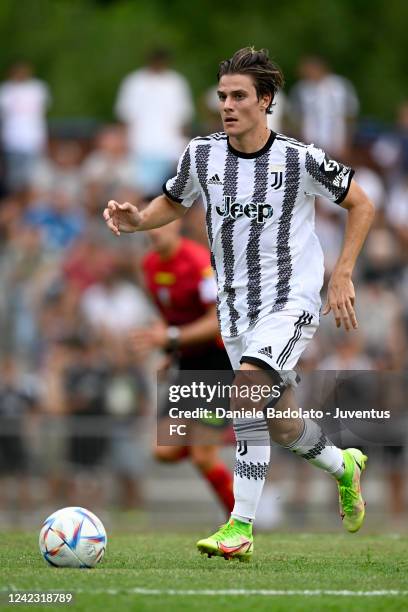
<point x="127" y="218"/>
<point x="340" y="293"/>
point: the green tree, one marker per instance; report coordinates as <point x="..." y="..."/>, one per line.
<point x="83" y="48"/>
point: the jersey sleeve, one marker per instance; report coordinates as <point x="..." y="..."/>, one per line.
<point x="183" y="188"/>
<point x="326" y="177"/>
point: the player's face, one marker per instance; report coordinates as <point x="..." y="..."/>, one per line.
<point x="241" y="110"/>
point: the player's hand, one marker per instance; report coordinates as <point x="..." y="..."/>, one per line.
<point x="122" y="217"/>
<point x="340" y="300"/>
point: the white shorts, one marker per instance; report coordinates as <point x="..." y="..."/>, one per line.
<point x="276" y="341"/>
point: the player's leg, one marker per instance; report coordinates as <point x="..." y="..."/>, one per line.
<point x="207" y="460"/>
<point x="170" y="454"/>
<point x="234" y="539"/>
<point x="291" y="334"/>
<point x="305" y="438"/>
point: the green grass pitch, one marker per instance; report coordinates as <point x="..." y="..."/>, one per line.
<point x="161" y="563"/>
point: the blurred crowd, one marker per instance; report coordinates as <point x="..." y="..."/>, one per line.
<point x="74" y="399"/>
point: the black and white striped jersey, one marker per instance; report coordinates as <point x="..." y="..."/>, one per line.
<point x="260" y="222"/>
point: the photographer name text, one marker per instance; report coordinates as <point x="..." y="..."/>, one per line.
<point x="273" y="413"/>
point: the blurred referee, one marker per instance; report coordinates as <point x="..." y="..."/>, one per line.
<point x="179" y="277"/>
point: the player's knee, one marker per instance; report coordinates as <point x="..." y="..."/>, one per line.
<point x="166" y="454"/>
<point x="282" y="438"/>
<point x="251" y="381"/>
<point x="284" y="432"/>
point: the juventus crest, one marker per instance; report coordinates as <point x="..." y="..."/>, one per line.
<point x="277" y="180"/>
<point x="276" y="176"/>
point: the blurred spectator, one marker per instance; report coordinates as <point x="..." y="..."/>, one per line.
<point x="11" y="210"/>
<point x="58" y="315"/>
<point x="60" y="171"/>
<point x="210" y="110"/>
<point x="84" y="387"/>
<point x="347" y="353"/>
<point x="59" y="223"/>
<point x="108" y="167"/>
<point x="16" y="403"/>
<point x="85" y="262"/>
<point x="54" y="449"/>
<point x="126" y="404"/>
<point x="276" y="121"/>
<point x="367" y="174"/>
<point x="371" y="182"/>
<point x="397" y="213"/>
<point x="390" y="150"/>
<point x="323" y="107"/>
<point x="155" y="103"/>
<point x="23" y="264"/>
<point x="402" y="137"/>
<point x="383" y="261"/>
<point x="379" y="309"/>
<point x="23" y="104"/>
<point x="115" y="305"/>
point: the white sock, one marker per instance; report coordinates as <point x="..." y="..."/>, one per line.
<point x="313" y="446"/>
<point x="251" y="467"/>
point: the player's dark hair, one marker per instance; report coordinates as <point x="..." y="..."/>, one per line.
<point x="267" y="76"/>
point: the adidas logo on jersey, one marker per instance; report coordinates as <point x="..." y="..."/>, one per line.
<point x="260" y="212"/>
<point x="215" y="180"/>
<point x="267" y="350"/>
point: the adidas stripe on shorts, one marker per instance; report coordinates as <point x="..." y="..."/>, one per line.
<point x="277" y="340"/>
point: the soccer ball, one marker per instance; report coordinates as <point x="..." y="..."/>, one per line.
<point x="73" y="537"/>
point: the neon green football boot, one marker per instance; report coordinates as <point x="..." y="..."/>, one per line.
<point x="233" y="540"/>
<point x="352" y="505"/>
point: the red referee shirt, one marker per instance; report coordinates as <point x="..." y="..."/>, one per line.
<point x="182" y="286"/>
